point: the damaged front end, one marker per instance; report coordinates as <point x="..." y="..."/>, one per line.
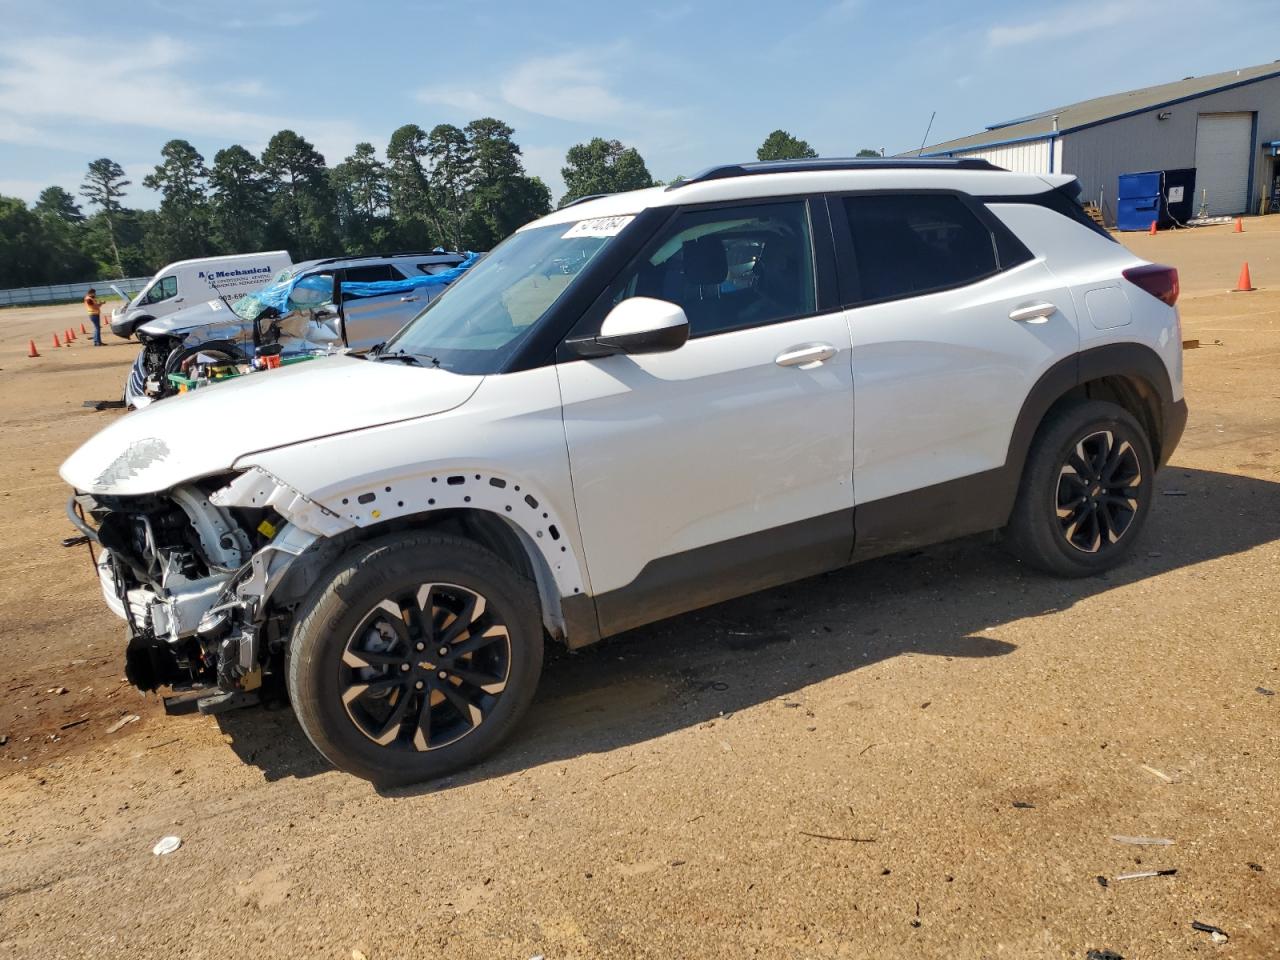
<point x="207" y="585"/>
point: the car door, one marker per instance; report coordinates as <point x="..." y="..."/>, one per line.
<point x="723" y="466"/>
<point x="952" y="321"/>
<point x="373" y="320"/>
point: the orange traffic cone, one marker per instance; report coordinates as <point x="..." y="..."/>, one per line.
<point x="83" y="330"/>
<point x="1152" y="231"/>
<point x="31" y="349"/>
<point x="1245" y="283"/>
<point x="55" y="341"/>
<point x="1239" y="226"/>
<point x="69" y="335"/>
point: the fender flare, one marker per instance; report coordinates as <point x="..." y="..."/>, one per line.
<point x="370" y="503"/>
<point x="1129" y="360"/>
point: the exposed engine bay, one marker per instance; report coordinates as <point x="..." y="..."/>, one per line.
<point x="207" y="590"/>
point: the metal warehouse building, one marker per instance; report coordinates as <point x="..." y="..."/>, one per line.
<point x="1226" y="126"/>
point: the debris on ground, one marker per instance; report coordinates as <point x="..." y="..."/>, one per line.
<point x="74" y="723"/>
<point x="58" y="690"/>
<point x="1102" y="881"/>
<point x="166" y="846"/>
<point x="1143" y="874"/>
<point x="1255" y="867"/>
<point x="1102" y="955"/>
<point x="1190" y="344"/>
<point x="1142" y="841"/>
<point x="1265" y="692"/>
<point x="827" y="836"/>
<point x="916" y="922"/>
<point x="1023" y="805"/>
<point x="124" y="721"/>
<point x="1217" y="934"/>
<point x="1156" y="773"/>
<point x="1175" y="493"/>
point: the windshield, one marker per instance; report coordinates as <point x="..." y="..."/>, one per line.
<point x="482" y="319"/>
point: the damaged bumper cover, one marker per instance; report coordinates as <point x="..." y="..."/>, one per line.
<point x="203" y="622"/>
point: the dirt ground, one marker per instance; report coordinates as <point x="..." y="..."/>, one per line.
<point x="924" y="756"/>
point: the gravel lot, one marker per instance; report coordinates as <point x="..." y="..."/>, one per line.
<point x="924" y="756"/>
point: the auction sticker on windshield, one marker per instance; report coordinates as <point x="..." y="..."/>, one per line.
<point x="599" y="227"/>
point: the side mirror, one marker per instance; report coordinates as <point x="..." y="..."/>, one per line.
<point x="637" y="325"/>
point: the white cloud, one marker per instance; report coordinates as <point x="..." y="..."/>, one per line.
<point x="47" y="87"/>
<point x="570" y="86"/>
<point x="460" y="98"/>
<point x="1066" y="22"/>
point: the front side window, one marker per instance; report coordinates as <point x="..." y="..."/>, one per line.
<point x="163" y="289"/>
<point x="730" y="268"/>
<point x="484" y="316"/>
<point x="910" y="244"/>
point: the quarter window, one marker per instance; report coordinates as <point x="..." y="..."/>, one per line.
<point x="911" y="244"/>
<point x="730" y="268"/>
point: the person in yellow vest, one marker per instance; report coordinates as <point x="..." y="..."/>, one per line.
<point x="94" y="306"/>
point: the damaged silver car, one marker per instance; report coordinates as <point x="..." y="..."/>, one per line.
<point x="309" y="308"/>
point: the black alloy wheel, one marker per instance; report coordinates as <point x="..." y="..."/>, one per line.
<point x="425" y="667"/>
<point x="1098" y="491"/>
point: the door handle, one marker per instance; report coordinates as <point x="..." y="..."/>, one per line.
<point x="806" y="356"/>
<point x="1033" y="313"/>
<point x="408" y="299"/>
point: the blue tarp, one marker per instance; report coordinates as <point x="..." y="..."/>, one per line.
<point x="317" y="289"/>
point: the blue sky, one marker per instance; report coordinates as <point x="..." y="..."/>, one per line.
<point x="689" y="84"/>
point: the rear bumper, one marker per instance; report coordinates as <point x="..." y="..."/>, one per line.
<point x="1174" y="422"/>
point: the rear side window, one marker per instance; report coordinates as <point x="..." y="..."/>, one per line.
<point x="910" y="244"/>
<point x="372" y="274"/>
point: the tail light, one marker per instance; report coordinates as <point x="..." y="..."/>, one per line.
<point x="1159" y="281"/>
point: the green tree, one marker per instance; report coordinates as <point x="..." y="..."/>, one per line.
<point x="362" y="193"/>
<point x="449" y="152"/>
<point x="62" y="225"/>
<point x="103" y="187"/>
<point x="58" y="202"/>
<point x="184" y="204"/>
<point x="781" y="145"/>
<point x="22" y="245"/>
<point x="241" y="201"/>
<point x="501" y="196"/>
<point x="602" y="166"/>
<point x="867" y="152"/>
<point x="409" y="187"/>
<point x="302" y="204"/>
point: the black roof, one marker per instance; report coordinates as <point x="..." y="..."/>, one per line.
<point x="828" y="164"/>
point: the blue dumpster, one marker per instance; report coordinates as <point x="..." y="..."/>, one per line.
<point x="1140" y="195"/>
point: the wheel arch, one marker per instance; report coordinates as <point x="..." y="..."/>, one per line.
<point x="1131" y="375"/>
<point x="515" y="523"/>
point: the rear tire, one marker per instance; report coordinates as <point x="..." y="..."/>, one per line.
<point x="1086" y="490"/>
<point x="414" y="656"/>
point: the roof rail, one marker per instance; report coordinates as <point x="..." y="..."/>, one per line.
<point x="828" y="164"/>
<point x="387" y="256"/>
<point x="590" y="196"/>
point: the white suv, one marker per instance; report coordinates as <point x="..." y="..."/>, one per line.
<point x="639" y="405"/>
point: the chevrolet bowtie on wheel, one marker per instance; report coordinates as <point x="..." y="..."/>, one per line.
<point x="636" y="406"/>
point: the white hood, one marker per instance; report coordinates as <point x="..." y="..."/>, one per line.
<point x="207" y="431"/>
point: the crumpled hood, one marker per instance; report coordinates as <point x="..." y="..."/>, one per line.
<point x="212" y="313"/>
<point x="205" y="432"/>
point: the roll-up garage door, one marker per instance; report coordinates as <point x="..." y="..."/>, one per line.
<point x="1224" y="153"/>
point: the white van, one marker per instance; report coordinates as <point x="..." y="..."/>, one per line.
<point x="189" y="282"/>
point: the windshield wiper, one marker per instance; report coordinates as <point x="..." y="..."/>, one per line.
<point x="415" y="359"/>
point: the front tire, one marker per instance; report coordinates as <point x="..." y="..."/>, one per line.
<point x="1086" y="490"/>
<point x="414" y="656"/>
